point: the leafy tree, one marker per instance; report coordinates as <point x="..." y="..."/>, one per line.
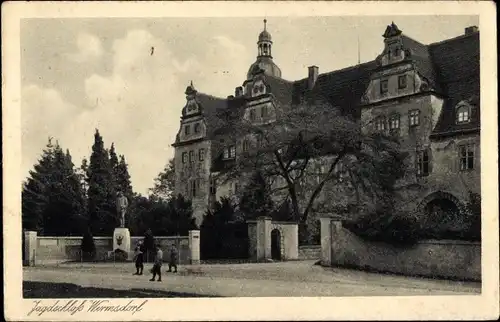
<point x="181" y="214"/>
<point x="256" y="199"/>
<point x="164" y="185"/>
<point x="101" y="191"/>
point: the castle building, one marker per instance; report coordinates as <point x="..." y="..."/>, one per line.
<point x="426" y="94"/>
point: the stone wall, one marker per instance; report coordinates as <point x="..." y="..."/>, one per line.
<point x="309" y="252"/>
<point x="434" y="258"/>
<point x="53" y="250"/>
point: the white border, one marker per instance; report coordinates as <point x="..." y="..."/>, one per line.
<point x="481" y="306"/>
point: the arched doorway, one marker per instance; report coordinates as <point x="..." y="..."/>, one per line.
<point x="441" y="212"/>
<point x="276" y="244"/>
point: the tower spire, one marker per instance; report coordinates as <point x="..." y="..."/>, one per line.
<point x="359" y="52"/>
<point x="265" y="24"/>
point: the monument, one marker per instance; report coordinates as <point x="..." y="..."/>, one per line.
<point x="121" y="235"/>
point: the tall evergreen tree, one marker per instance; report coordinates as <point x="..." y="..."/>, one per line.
<point x="101" y="191"/>
<point x="64" y="212"/>
<point x="123" y="182"/>
<point x="34" y="193"/>
<point x="52" y="195"/>
<point x="82" y="173"/>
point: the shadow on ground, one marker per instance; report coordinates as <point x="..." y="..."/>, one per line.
<point x="67" y="290"/>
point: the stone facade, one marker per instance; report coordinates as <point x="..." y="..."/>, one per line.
<point x="428" y="95"/>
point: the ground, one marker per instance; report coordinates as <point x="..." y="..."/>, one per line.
<point x="300" y="278"/>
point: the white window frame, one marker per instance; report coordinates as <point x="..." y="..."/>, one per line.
<point x="414" y="117"/>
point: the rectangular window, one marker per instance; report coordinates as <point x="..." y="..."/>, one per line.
<point x="213" y="186"/>
<point x="187" y="129"/>
<point x="252" y="115"/>
<point x="380" y="124"/>
<point x="414" y="117"/>
<point x="245" y="145"/>
<point x="197" y="128"/>
<point x="201" y="154"/>
<point x="263" y="112"/>
<point x="423" y="163"/>
<point x="384" y="86"/>
<point x="394" y="122"/>
<point x="191" y="156"/>
<point x="232" y="151"/>
<point x="184" y="157"/>
<point x="463" y="114"/>
<point x="226" y="153"/>
<point x="402" y="81"/>
<point x="466" y="157"/>
<point x="193" y="188"/>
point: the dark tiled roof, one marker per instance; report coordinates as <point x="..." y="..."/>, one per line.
<point x="342" y="89"/>
<point x="451" y="68"/>
<point x="457" y="66"/>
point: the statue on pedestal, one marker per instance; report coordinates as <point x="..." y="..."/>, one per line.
<point x="121" y="205"/>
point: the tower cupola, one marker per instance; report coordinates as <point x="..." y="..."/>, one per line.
<point x="264" y="56"/>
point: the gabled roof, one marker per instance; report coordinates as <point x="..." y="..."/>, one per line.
<point x="420" y="55"/>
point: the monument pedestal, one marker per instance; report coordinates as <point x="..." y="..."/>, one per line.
<point x="121" y="241"/>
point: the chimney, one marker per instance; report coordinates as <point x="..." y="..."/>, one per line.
<point x="313" y="76"/>
<point x="471" y="30"/>
<point x="238" y="91"/>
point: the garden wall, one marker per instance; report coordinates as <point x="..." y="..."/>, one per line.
<point x="52" y="250"/>
<point x="433" y="258"/>
<point x="309" y="252"/>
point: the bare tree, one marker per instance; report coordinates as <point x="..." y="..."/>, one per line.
<point x="288" y="147"/>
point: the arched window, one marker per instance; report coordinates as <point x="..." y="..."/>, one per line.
<point x="463" y="114"/>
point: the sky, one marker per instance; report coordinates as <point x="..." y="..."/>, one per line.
<point x="79" y="75"/>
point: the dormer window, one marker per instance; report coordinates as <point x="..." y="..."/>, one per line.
<point x="197" y="128"/>
<point x="402" y="82"/>
<point x="384" y="86"/>
<point x="463" y="114"/>
<point x="187" y="129"/>
<point x="380" y="123"/>
<point x="230" y="152"/>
